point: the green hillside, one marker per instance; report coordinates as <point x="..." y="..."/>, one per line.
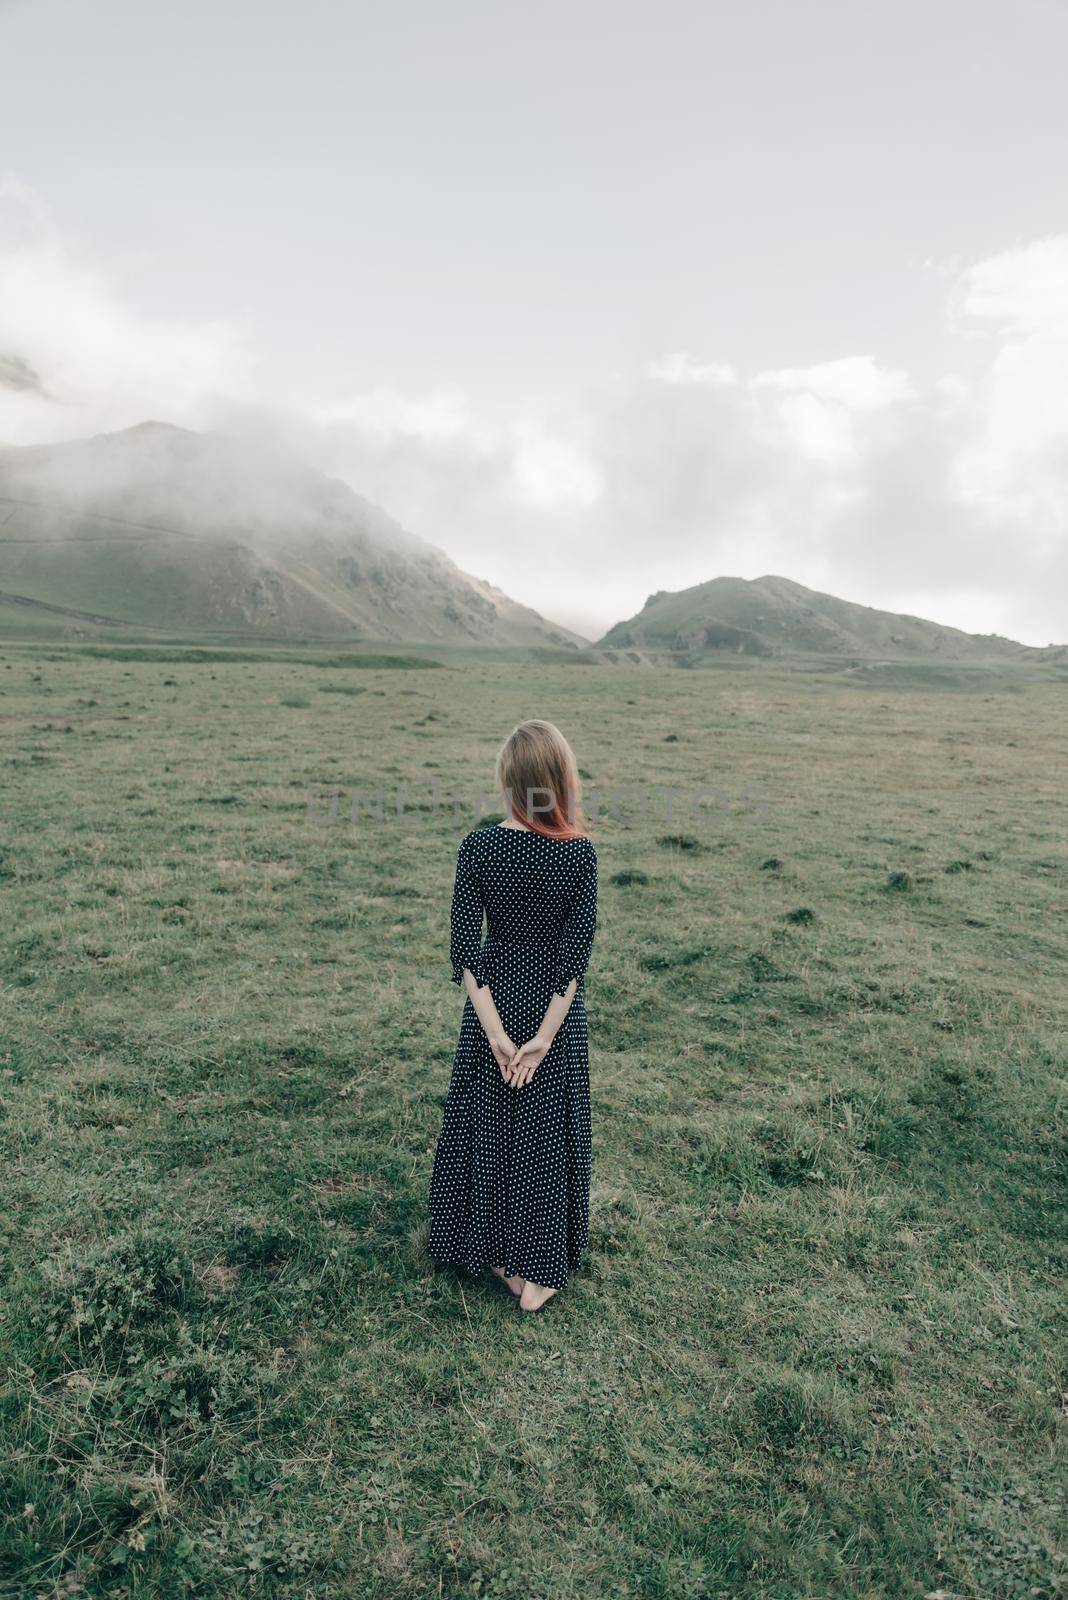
<point x="775" y="619"/>
<point x="192" y="534"/>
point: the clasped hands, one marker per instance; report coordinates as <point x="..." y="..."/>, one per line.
<point x="518" y="1063"/>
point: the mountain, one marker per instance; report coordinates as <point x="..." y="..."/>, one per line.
<point x="159" y="528"/>
<point x="774" y="618"/>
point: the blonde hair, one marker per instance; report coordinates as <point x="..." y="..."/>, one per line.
<point x="536" y="760"/>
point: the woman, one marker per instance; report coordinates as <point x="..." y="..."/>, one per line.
<point x="510" y="1188"/>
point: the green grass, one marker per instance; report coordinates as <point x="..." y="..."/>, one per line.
<point x="814" y="1352"/>
<point x="200" y="655"/>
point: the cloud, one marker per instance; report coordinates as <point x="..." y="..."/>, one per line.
<point x="856" y="383"/>
<point x="99" y="362"/>
<point x="1023" y="291"/>
<point x="1012" y="470"/>
<point x="948" y="498"/>
<point x="681" y="368"/>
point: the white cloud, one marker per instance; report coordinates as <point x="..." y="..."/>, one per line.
<point x="1022" y="291"/>
<point x="549" y="471"/>
<point x="386" y="413"/>
<point x="681" y="368"/>
<point x="856" y="383"/>
<point x="1013" y="468"/>
<point x="101" y="363"/>
<point x="950" y="499"/>
<point x="819" y="431"/>
<point x="823" y="406"/>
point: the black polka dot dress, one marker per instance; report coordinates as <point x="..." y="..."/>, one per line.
<point x="511" y="1178"/>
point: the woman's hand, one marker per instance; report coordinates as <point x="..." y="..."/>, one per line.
<point x="503" y="1050"/>
<point x="527" y="1059"/>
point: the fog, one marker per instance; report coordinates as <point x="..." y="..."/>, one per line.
<point x="213" y="487"/>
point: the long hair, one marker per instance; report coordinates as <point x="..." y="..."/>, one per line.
<point x="538" y="775"/>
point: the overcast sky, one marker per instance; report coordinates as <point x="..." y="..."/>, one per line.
<point x="602" y="297"/>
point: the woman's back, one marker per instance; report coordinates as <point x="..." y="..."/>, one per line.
<point x="526" y="882"/>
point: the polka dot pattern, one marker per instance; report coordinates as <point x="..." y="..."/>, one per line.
<point x="511" y="1178"/>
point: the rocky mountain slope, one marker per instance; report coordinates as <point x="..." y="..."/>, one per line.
<point x="159" y="528"/>
<point x="774" y="618"/>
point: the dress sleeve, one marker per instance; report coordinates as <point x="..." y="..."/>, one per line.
<point x="577" y="940"/>
<point x="465" y="949"/>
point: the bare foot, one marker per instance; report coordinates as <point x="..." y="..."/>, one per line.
<point x="534" y="1296"/>
<point x="515" y="1283"/>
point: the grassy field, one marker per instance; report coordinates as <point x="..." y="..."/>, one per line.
<point x="814" y="1352"/>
